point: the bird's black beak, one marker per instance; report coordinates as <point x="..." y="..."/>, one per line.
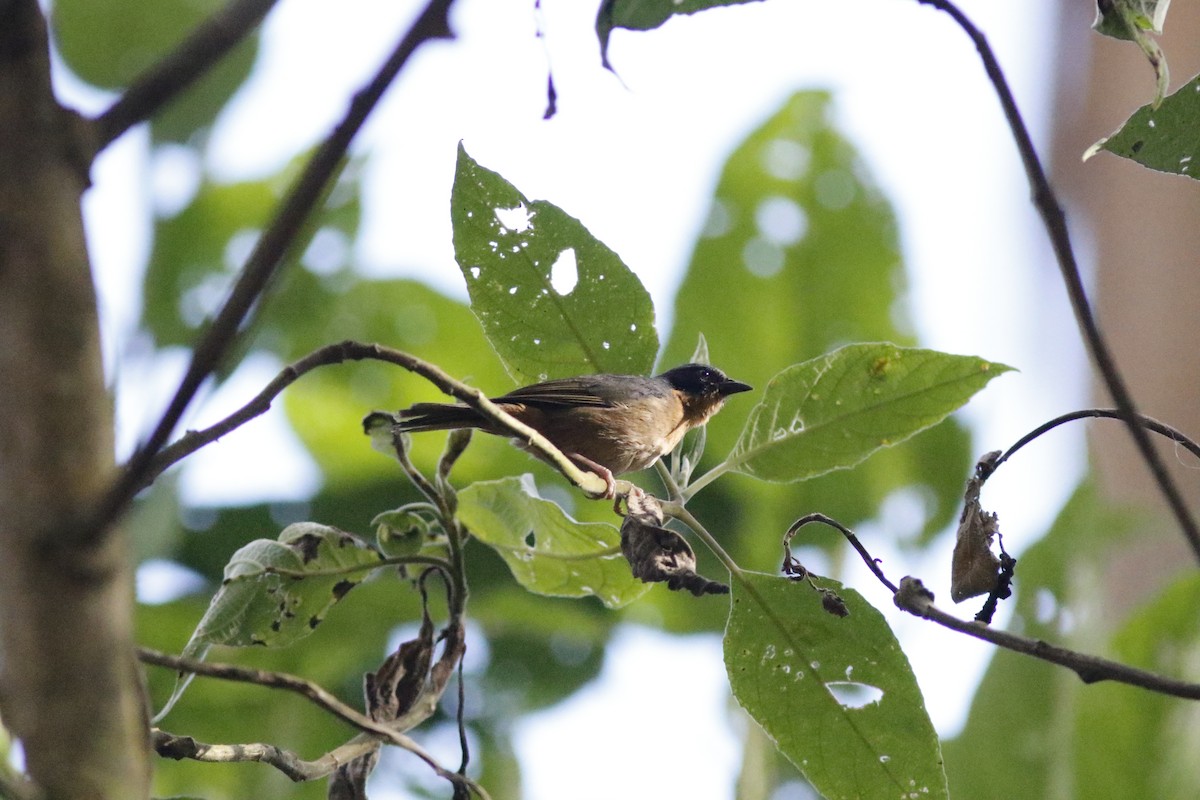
<point x="729" y="387"/>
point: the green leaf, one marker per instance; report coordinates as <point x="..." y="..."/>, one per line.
<point x="837" y="695"/>
<point x="834" y="411"/>
<point x="276" y="592"/>
<point x="516" y="256"/>
<point x="548" y="552"/>
<point x="644" y="15"/>
<point x="1163" y="139"/>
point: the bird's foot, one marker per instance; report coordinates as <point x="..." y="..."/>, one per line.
<point x="610" y="483"/>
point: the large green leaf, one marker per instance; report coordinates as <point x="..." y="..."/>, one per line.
<point x="548" y="552"/>
<point x="545" y="326"/>
<point x="837" y="695"/>
<point x="1164" y="138"/>
<point x="834" y="411"/>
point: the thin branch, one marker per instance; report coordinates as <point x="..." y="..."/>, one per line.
<point x="195" y="55"/>
<point x="1149" y="423"/>
<point x="358" y="351"/>
<point x="276" y="680"/>
<point x="170" y="745"/>
<point x="859" y="547"/>
<point x="266" y="261"/>
<point x="1055" y="222"/>
<point x="918" y="601"/>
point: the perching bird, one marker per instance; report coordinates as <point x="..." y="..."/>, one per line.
<point x="607" y="424"/>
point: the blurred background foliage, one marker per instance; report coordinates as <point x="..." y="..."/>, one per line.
<point x="799" y="255"/>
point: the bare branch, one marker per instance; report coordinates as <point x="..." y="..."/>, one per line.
<point x="162" y="83"/>
<point x="1149" y="423"/>
<point x="1055" y="222"/>
<point x="169" y="745"/>
<point x="276" y="680"/>
<point x="266" y="261"/>
<point x="358" y="351"/>
<point x="915" y="599"/>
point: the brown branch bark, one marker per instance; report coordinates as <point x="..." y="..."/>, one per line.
<point x="69" y="685"/>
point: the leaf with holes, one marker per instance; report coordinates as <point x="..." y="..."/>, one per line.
<point x="1162" y="139"/>
<point x="837" y="695"/>
<point x="553" y="300"/>
<point x="834" y="411"/>
<point x="276" y="591"/>
<point x="548" y="552"/>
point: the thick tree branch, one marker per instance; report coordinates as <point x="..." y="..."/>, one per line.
<point x="267" y="259"/>
<point x="203" y="48"/>
<point x="1055" y="222"/>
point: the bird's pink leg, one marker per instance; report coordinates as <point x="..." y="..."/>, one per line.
<point x="610" y="483"/>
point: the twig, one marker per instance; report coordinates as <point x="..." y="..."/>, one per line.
<point x="265" y="262"/>
<point x="1149" y="423"/>
<point x="872" y="563"/>
<point x="1055" y="222"/>
<point x="276" y="680"/>
<point x="916" y="600"/>
<point x="170" y="745"/>
<point x="196" y="54"/>
<point x="359" y="351"/>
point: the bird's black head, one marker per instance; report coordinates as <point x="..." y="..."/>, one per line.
<point x="701" y="380"/>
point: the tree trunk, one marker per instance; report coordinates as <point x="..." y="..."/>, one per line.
<point x="70" y="688"/>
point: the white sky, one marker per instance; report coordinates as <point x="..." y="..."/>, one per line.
<point x="636" y="159"/>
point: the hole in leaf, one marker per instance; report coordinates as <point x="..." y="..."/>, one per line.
<point x="564" y="273"/>
<point x="852" y="694"/>
<point x="530" y="539"/>
<point x="514" y="220"/>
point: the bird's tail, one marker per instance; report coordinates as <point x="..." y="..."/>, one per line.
<point x="438" y="417"/>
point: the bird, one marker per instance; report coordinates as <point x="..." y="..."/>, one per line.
<point x="606" y="424"/>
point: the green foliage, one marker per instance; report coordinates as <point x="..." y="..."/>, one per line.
<point x="508" y="248"/>
<point x="834" y="411"/>
<point x="799" y="257"/>
<point x="548" y="552"/>
<point x="276" y="592"/>
<point x="1160" y="137"/>
<point x="835" y="694"/>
